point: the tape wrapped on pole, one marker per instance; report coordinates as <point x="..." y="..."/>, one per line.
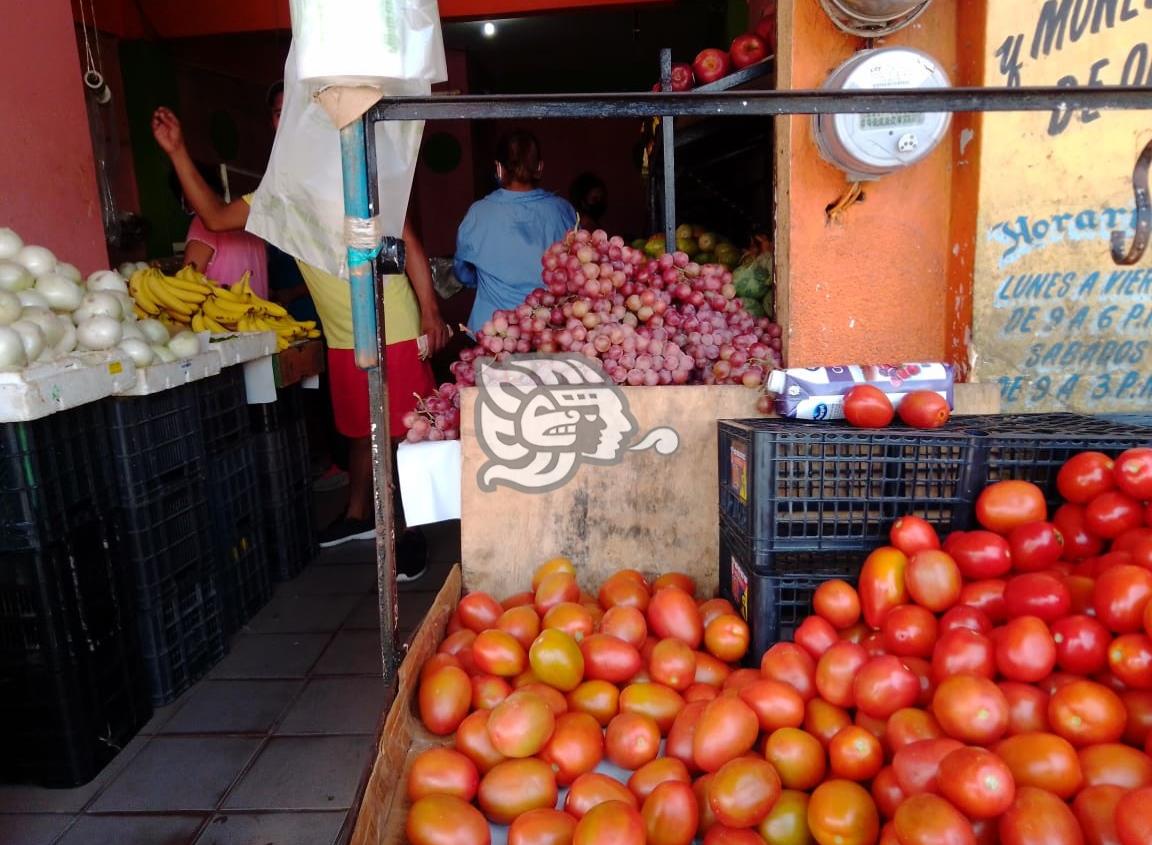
<point x="364" y="238"/>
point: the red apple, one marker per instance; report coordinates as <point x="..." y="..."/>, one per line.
<point x="710" y="65"/>
<point x="766" y="29"/>
<point x="682" y="78"/>
<point x="747" y="49"/>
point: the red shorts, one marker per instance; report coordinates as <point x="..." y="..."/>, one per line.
<point x="408" y="377"/>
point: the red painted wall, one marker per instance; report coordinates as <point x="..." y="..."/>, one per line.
<point x="47" y="177"/>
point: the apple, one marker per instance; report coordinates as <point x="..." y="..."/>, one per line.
<point x="766" y="27"/>
<point x="747" y="49"/>
<point x="710" y="65"/>
<point x="682" y="78"/>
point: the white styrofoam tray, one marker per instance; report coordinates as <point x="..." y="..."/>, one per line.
<point x="43" y="389"/>
<point x="241" y="347"/>
<point x="158" y="376"/>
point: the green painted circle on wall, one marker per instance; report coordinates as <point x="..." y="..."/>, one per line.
<point x="442" y="152"/>
<point x="224" y="134"/>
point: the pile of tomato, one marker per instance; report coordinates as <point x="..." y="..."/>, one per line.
<point x="993" y="687"/>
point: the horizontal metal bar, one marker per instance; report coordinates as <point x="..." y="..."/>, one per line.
<point x="766" y="103"/>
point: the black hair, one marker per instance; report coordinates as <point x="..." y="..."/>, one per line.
<point x="519" y="152"/>
<point x="211" y="176"/>
<point x="582" y="185"/>
<point x="274" y="91"/>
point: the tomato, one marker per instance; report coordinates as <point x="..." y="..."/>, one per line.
<point x="816" y="635"/>
<point x="726" y="638"/>
<point x="824" y="720"/>
<point x="551" y="566"/>
<point x="514" y="787"/>
<point x="631" y="740"/>
<point x="792" y="665"/>
<point x="1133" y="820"/>
<point x="1122" y="594"/>
<point x="573" y="619"/>
<point x="1138" y="704"/>
<point x="671" y="815"/>
<point x="438" y="661"/>
<point x="595" y="788"/>
<point x="599" y="699"/>
<point x="700" y="790"/>
<point x="1038" y="817"/>
<point x="1115" y="764"/>
<point x="987" y="597"/>
<point x="1095" y="809"/>
<point x="727" y="728"/>
<point x="740" y="679"/>
<point x="743" y="791"/>
<point x="1112" y="513"/>
<point x="855" y="633"/>
<point x="884" y="685"/>
<point x="886" y="792"/>
<point x="542" y="827"/>
<point x="981" y="555"/>
<point x="701" y="692"/>
<point x="917" y="766"/>
<point x="661" y="770"/>
<point x="673" y="613"/>
<point x="1084" y="476"/>
<point x="1133" y="473"/>
<point x="711" y="671"/>
<point x="1081" y="645"/>
<point x="1004" y="505"/>
<point x="910" y="725"/>
<point x="521" y="724"/>
<point x="930" y="820"/>
<point x="933" y="580"/>
<point x="575" y="747"/>
<point x="912" y="534"/>
<point x="442" y="771"/>
<point x="719" y="834"/>
<point x="964" y="616"/>
<point x="977" y="782"/>
<point x="798" y="757"/>
<point x="1055" y="681"/>
<point x="610" y="823"/>
<point x="659" y="703"/>
<point x="621" y="590"/>
<point x="1086" y="713"/>
<point x="712" y="608"/>
<point x="874" y="726"/>
<point x="837" y="602"/>
<point x="986" y="832"/>
<point x="625" y="623"/>
<point x="922" y="669"/>
<point x="963" y="652"/>
<point x="787" y="822"/>
<point x="775" y="704"/>
<point x="473" y="742"/>
<point x="679" y="580"/>
<point x="1042" y="760"/>
<point x="1035" y="546"/>
<point x="555" y="699"/>
<point x="867" y="406"/>
<point x="444" y="699"/>
<point x="488" y="691"/>
<point x="971" y="709"/>
<point x="682" y="734"/>
<point x="855" y="754"/>
<point x="909" y="631"/>
<point x="1025" y="650"/>
<point x="882" y="584"/>
<point x="1130" y="659"/>
<point x="1079" y="542"/>
<point x="458" y="642"/>
<point x="841" y="812"/>
<point x="522" y="622"/>
<point x="923" y="409"/>
<point x="479" y="611"/>
<point x="1027" y="708"/>
<point x="836" y="672"/>
<point x="1082" y="591"/>
<point x="554" y="589"/>
<point x="609" y="659"/>
<point x="1037" y="594"/>
<point x="497" y="652"/>
<point x="673" y="664"/>
<point x="446" y="820"/>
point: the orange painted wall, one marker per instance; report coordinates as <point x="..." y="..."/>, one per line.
<point x="878" y="285"/>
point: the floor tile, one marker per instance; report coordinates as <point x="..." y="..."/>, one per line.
<point x="32" y="830"/>
<point x="355" y="551"/>
<point x="413" y="608"/>
<point x="431" y="581"/>
<point x="304" y="773"/>
<point x="292" y="613"/>
<point x="352" y="653"/>
<point x="348" y="578"/>
<point x="366" y="615"/>
<point x="132" y="830"/>
<point x="273" y="829"/>
<point x="233" y="707"/>
<point x="178" y="773"/>
<point x="271" y="656"/>
<point x="161" y="715"/>
<point x="34" y="799"/>
<point x="337" y="706"/>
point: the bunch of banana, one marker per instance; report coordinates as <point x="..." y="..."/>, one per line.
<point x="171" y="299"/>
<point x="236" y="308"/>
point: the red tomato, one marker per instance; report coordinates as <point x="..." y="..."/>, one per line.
<point x="1133" y="472"/>
<point x="931" y="820"/>
<point x="671" y="814"/>
<point x="623" y="590"/>
<point x="1114" y="764"/>
<point x="909" y="631"/>
<point x="683" y="732"/>
<point x="1085" y="476"/>
<point x="446" y="820"/>
<point x="1130" y="659"/>
<point x="631" y="740"/>
<point x="824" y="720"/>
<point x="1095" y="809"/>
<point x="1035" y="546"/>
<point x="516" y="786"/>
<point x="444" y="699"/>
<point x="798" y="756"/>
<point x="679" y="580"/>
<point x="856" y="633"/>
<point x="1122" y="593"/>
<point x="981" y="555"/>
<point x="971" y="709"/>
<point x="1086" y="713"/>
<point x="836" y="673"/>
<point x="908" y="726"/>
<point x="866" y="406"/>
<point x="1004" y="505"/>
<point x="1027" y="708"/>
<point x="625" y="623"/>
<point x="963" y="616"/>
<point x="1111" y="514"/>
<point x="1079" y="542"/>
<point x="659" y="703"/>
<point x="609" y="659"/>
<point x="1138" y="704"/>
<point x="521" y="724"/>
<point x="479" y="611"/>
<point x="836" y="601"/>
<point x="1038" y="817"/>
<point x="488" y="691"/>
<point x="542" y="827"/>
<point x="775" y="704"/>
<point x="726" y="638"/>
<point x="886" y="792"/>
<point x="592" y="789"/>
<point x="963" y="652"/>
<point x="1042" y="760"/>
<point x="610" y="823"/>
<point x="1081" y="645"/>
<point x="977" y="782"/>
<point x="673" y="664"/>
<point x="599" y="699"/>
<point x="727" y="728"/>
<point x="1037" y="594"/>
<point x="661" y="770"/>
<point x="987" y="596"/>
<point x="787" y="823"/>
<point x="933" y="580"/>
<point x="912" y="534"/>
<point x="1082" y="591"/>
<point x="1133" y="820"/>
<point x="442" y="771"/>
<point x="882" y="584"/>
<point x="874" y="726"/>
<point x="816" y="635"/>
<point x="576" y="747"/>
<point x="792" y="665"/>
<point x="884" y="685"/>
<point x="712" y="608"/>
<point x="922" y="669"/>
<point x="743" y="792"/>
<point x="473" y="742"/>
<point x="573" y="619"/>
<point x="497" y="652"/>
<point x="522" y="622"/>
<point x="1025" y="650"/>
<point x="917" y="766"/>
<point x="855" y="754"/>
<point x="741" y="678"/>
<point x="842" y="812"/>
<point x="923" y="409"/>
<point x="673" y="613"/>
<point x="720" y="834"/>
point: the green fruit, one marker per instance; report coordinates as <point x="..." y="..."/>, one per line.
<point x="687" y="245"/>
<point x="684" y="230"/>
<point x="705" y="258"/>
<point x="654" y="248"/>
<point x="639" y="243"/>
<point x="707" y="242"/>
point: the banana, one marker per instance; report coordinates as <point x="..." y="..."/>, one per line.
<point x="282" y="343"/>
<point x="189" y="297"/>
<point x="312" y="334"/>
<point x="242" y="287"/>
<point x="142" y="295"/>
<point x="191" y="281"/>
<point x="226" y="294"/>
<point x="226" y="311"/>
<point x="198" y="322"/>
<point x="275" y="309"/>
<point x="169" y="302"/>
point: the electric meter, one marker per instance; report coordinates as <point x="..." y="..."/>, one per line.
<point x="869" y="146"/>
<point x="873" y="18"/>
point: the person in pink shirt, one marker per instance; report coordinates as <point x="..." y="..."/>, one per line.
<point x="223" y="257"/>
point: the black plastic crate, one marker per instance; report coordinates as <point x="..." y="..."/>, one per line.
<point x="282" y="463"/>
<point x="156" y="440"/>
<point x="1138" y="420"/>
<point x="55" y="473"/>
<point x="181" y="634"/>
<point x="168" y="533"/>
<point x="289" y="537"/>
<point x="223" y="401"/>
<point x="288" y="408"/>
<point x="794" y="486"/>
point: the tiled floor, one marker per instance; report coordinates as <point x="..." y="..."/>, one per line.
<point x="273" y="747"/>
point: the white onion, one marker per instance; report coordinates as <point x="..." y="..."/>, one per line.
<point x="37" y="259"/>
<point x="185" y="345"/>
<point x="127" y="304"/>
<point x="62" y="294"/>
<point x="10" y="243"/>
<point x="108" y="280"/>
<point x="51" y="325"/>
<point x="10" y="307"/>
<point x="67" y="341"/>
<point x="98" y="304"/>
<point x="68" y="271"/>
<point x="15" y="276"/>
<point x="163" y="353"/>
<point x="31" y="337"/>
<point x="139" y="351"/>
<point x="32" y="299"/>
<point x="127" y="269"/>
<point x="99" y="333"/>
<point x="11" y="349"/>
<point x="154" y="331"/>
<point x="142" y="265"/>
<point x="129" y="330"/>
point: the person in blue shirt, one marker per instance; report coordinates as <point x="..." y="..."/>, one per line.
<point x="505" y="235"/>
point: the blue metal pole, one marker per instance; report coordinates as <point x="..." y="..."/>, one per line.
<point x="357" y="205"/>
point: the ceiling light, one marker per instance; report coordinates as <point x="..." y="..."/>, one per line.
<point x="489" y="29"/>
